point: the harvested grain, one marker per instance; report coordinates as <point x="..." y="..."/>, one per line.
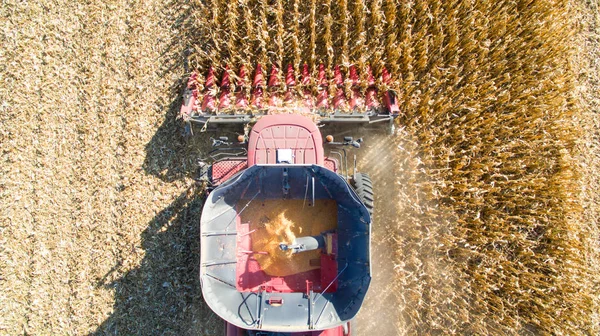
<point x="280" y="221"/>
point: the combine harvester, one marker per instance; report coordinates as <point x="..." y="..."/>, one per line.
<point x="285" y="230"/>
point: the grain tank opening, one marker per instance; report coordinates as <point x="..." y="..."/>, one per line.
<point x="285" y="247"/>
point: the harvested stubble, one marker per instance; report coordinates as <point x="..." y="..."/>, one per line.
<point x="280" y="221"/>
<point x="98" y="224"/>
<point x="486" y="90"/>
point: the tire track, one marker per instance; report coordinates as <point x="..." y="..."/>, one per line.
<point x="378" y="158"/>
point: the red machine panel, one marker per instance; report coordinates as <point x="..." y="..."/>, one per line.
<point x="224" y="169"/>
<point x="331" y="164"/>
<point x="285" y="131"/>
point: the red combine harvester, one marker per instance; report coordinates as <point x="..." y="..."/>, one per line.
<point x="285" y="230"/>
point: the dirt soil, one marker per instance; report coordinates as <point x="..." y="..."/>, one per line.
<point x="383" y="301"/>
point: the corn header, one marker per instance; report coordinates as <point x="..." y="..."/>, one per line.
<point x="243" y="96"/>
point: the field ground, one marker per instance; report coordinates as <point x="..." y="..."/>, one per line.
<point x="99" y="217"/>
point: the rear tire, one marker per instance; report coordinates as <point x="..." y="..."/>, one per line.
<point x="364" y="190"/>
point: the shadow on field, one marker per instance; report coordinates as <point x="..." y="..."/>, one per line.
<point x="162" y="296"/>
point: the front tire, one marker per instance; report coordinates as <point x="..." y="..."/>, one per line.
<point x="364" y="189"/>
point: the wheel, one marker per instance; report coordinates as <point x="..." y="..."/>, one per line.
<point x="364" y="190"/>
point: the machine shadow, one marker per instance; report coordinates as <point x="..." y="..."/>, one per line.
<point x="162" y="296"/>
